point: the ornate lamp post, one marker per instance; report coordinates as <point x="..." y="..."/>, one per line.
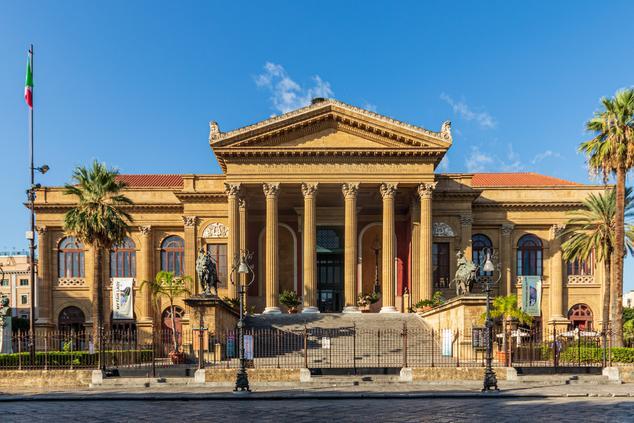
<point x="242" y="266"/>
<point x="376" y="247"/>
<point x="490" y="380"/>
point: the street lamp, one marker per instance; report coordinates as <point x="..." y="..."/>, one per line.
<point x="490" y="380"/>
<point x="242" y="266"/>
<point x="30" y="235"/>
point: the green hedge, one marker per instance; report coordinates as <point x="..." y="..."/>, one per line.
<point x="572" y="354"/>
<point x="76" y="358"/>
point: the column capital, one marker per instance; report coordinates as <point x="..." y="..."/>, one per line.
<point x="190" y="221"/>
<point x="41" y="230"/>
<point x="232" y="189"/>
<point x="425" y="190"/>
<point x="466" y="220"/>
<point x="242" y="203"/>
<point x="271" y="189"/>
<point x="507" y="229"/>
<point x="350" y="189"/>
<point x="309" y="189"/>
<point x="388" y="189"/>
<point x="145" y="230"/>
<point x="556" y="230"/>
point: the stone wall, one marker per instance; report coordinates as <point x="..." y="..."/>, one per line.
<point x="34" y="379"/>
<point x="255" y="375"/>
<point x="442" y="374"/>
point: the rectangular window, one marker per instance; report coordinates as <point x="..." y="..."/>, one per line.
<point x="218" y="254"/>
<point x="440" y="263"/>
<point x="24" y="282"/>
<point x="581" y="267"/>
<point x="4" y="282"/>
<point x="24" y="299"/>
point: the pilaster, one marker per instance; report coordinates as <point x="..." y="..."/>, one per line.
<point x="189" y="224"/>
<point x="350" y="247"/>
<point x="44" y="311"/>
<point x="271" y="191"/>
<point x="556" y="275"/>
<point x="309" y="260"/>
<point x="466" y="222"/>
<point x="388" y="192"/>
<point x="242" y="210"/>
<point x="146" y="273"/>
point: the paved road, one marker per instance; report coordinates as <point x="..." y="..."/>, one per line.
<point x="359" y="410"/>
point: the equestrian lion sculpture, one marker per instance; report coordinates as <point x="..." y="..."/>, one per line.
<point x="466" y="274"/>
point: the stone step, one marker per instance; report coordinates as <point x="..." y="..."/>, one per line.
<point x="560" y="379"/>
<point x="141" y="382"/>
<point x="361" y="321"/>
<point x="354" y="380"/>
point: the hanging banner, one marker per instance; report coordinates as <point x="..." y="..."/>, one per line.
<point x="532" y="295"/>
<point x="122" y="303"/>
<point x="248" y="347"/>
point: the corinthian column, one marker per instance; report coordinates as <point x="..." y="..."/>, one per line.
<point x="310" y="248"/>
<point x="350" y="247"/>
<point x="233" y="247"/>
<point x="415" y="212"/>
<point x="388" y="192"/>
<point x="272" y="282"/>
<point x="425" y="192"/>
<point x="556" y="275"/>
<point x="507" y="254"/>
<point x="146" y="273"/>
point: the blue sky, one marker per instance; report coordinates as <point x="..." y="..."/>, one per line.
<point x="135" y="84"/>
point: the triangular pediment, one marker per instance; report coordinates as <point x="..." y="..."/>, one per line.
<point x="319" y="124"/>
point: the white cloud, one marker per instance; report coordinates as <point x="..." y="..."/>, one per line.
<point x="513" y="161"/>
<point x="286" y="94"/>
<point x="545" y="155"/>
<point x="478" y="161"/>
<point x="484" y="119"/>
<point x="369" y="106"/>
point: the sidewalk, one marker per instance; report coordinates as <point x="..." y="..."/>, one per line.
<point x="303" y="392"/>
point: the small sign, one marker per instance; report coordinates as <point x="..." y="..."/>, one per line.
<point x="447" y="342"/>
<point x="248" y="347"/>
<point x="231" y="346"/>
<point x="478" y="338"/>
<point x="325" y="342"/>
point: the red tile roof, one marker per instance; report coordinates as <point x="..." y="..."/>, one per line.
<point x="133" y="181"/>
<point x="520" y="179"/>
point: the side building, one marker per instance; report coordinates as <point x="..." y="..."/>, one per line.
<point x="334" y="201"/>
<point x="15" y="268"/>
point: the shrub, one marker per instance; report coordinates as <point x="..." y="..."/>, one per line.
<point x="290" y="299"/>
<point x="66" y="358"/>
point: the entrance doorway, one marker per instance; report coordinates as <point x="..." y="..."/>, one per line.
<point x="329" y="269"/>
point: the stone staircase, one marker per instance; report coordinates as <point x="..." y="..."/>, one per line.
<point x="369" y="321"/>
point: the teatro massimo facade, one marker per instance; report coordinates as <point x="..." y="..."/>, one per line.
<point x="334" y="201"/>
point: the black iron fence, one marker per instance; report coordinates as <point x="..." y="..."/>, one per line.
<point x="348" y="347"/>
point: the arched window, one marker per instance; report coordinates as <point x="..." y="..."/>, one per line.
<point x="581" y="267"/>
<point x="123" y="260"/>
<point x="172" y="252"/>
<point x="580" y="316"/>
<point x="70" y="258"/>
<point x="166" y="325"/>
<point x="71" y="319"/>
<point x="529" y="256"/>
<point x="479" y="244"/>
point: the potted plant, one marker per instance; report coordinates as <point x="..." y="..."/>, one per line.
<point x="167" y="285"/>
<point x="291" y="300"/>
<point x="365" y="300"/>
<point x="426" y="305"/>
<point x="506" y="310"/>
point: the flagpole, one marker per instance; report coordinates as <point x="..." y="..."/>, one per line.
<point x="32" y="233"/>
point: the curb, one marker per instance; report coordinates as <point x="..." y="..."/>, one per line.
<point x="295" y="397"/>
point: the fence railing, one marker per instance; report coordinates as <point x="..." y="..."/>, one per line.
<point x="348" y="347"/>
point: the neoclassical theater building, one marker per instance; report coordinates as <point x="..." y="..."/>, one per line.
<point x="333" y="201"/>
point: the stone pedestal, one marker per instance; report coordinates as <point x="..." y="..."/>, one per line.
<point x="217" y="315"/>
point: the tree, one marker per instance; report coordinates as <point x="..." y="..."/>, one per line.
<point x="506" y="309"/>
<point x="611" y="152"/>
<point x="592" y="230"/>
<point x="99" y="220"/>
<point x="171" y="287"/>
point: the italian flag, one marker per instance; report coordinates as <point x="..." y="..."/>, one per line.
<point x="28" y="84"/>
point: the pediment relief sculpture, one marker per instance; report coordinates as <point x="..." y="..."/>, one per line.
<point x="443" y="230"/>
<point x="216" y="230"/>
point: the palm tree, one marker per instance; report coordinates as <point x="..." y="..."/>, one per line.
<point x="506" y="309"/>
<point x="592" y="230"/>
<point x="611" y="152"/>
<point x="171" y="287"/>
<point x="98" y="220"/>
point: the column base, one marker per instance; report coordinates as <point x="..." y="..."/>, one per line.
<point x="351" y="309"/>
<point x="310" y="309"/>
<point x="388" y="309"/>
<point x="272" y="310"/>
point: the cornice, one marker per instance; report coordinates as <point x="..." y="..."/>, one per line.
<point x="148" y="208"/>
<point x="532" y="205"/>
<point x="204" y="197"/>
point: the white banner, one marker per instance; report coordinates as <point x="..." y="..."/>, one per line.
<point x="122" y="299"/>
